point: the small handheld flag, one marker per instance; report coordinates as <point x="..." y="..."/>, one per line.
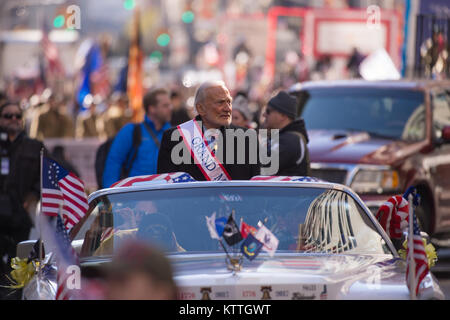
<point x="267" y="238"/>
<point x="60" y="187"/>
<point x="231" y="233"/>
<point x="417" y="261"/>
<point x="251" y="247"/>
<point x="211" y="224"/>
<point x="247" y="229"/>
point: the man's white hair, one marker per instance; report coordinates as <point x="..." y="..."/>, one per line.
<point x="200" y="93"/>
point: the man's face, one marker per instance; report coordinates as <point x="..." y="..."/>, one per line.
<point x="272" y="118"/>
<point x="215" y="109"/>
<point x="162" y="111"/>
<point x="11" y="119"/>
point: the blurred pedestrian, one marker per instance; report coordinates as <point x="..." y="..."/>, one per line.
<point x="53" y="121"/>
<point x="19" y="184"/>
<point x="280" y="114"/>
<point x="90" y="122"/>
<point x="213" y="105"/>
<point x="354" y="62"/>
<point x="117" y="115"/>
<point x="140" y="159"/>
<point x="3" y="97"/>
<point x="241" y="114"/>
<point x="179" y="111"/>
<point x="140" y="272"/>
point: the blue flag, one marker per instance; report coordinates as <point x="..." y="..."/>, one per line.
<point x="220" y="225"/>
<point x="251" y="247"/>
<point x="93" y="62"/>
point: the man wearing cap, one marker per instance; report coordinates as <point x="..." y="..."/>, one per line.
<point x="281" y="113"/>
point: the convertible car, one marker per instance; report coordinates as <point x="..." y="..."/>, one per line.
<point x="330" y="246"/>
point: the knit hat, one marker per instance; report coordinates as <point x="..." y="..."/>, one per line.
<point x="284" y="103"/>
<point x="241" y="104"/>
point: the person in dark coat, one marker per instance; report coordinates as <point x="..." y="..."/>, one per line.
<point x="281" y="114"/>
<point x="19" y="183"/>
<point x="235" y="156"/>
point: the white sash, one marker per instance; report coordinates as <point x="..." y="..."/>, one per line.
<point x="206" y="161"/>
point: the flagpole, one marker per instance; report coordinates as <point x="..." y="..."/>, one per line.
<point x="40" y="216"/>
<point x="412" y="264"/>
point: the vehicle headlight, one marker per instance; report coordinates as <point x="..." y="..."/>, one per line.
<point x="375" y="181"/>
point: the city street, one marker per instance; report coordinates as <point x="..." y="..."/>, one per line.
<point x="175" y="140"/>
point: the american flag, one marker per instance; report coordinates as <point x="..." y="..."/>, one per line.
<point x="420" y="260"/>
<point x="65" y="257"/>
<point x="175" y="177"/>
<point x="59" y="187"/>
<point x="393" y="216"/>
<point x="285" y="178"/>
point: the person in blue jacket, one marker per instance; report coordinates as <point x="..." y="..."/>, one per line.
<point x="158" y="111"/>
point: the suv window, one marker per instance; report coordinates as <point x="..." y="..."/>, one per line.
<point x="390" y="113"/>
<point x="441" y="112"/>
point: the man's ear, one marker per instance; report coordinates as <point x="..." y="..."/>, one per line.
<point x="200" y="109"/>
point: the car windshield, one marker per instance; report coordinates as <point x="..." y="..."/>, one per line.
<point x="303" y="219"/>
<point x="384" y="113"/>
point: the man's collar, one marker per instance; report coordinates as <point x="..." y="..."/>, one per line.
<point x="164" y="127"/>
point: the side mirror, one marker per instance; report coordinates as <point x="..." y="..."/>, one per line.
<point x="24" y="248"/>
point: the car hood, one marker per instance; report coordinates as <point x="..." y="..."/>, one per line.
<point x="354" y="147"/>
<point x="304" y="276"/>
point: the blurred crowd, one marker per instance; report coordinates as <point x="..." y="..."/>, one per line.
<point x="53" y="115"/>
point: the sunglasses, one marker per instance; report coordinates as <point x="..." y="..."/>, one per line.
<point x="269" y="111"/>
<point x="9" y="116"/>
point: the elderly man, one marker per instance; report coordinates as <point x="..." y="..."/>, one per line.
<point x="209" y="147"/>
<point x="280" y="114"/>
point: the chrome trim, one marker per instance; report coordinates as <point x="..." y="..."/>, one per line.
<point x="374" y="203"/>
<point x="352" y="169"/>
<point x="339" y="166"/>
